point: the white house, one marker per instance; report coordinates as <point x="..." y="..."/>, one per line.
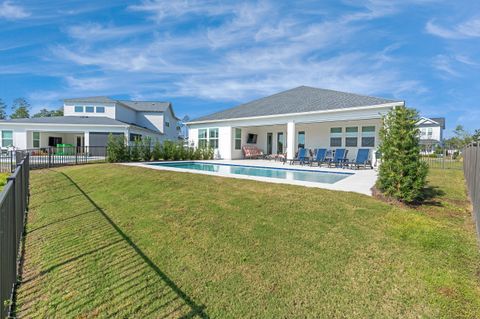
<point x="431" y="133"/>
<point x="301" y="117"/>
<point x="88" y="122"/>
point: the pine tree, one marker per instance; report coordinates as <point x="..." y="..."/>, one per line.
<point x="3" y="110"/>
<point x="402" y="173"/>
<point x="20" y="108"/>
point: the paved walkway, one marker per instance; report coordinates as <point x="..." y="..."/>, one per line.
<point x="361" y="181"/>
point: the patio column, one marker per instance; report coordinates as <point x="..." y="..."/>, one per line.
<point x="291" y="140"/>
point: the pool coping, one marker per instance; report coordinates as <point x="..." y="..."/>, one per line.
<point x="359" y="181"/>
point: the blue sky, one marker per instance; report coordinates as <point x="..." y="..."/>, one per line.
<point x="207" y="55"/>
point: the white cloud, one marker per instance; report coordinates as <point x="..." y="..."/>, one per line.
<point x="11" y="11"/>
<point x="467" y="29"/>
<point x="92" y="32"/>
<point x="445" y="65"/>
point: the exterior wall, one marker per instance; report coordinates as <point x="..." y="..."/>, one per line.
<point x="151" y="120"/>
<point x="69" y="110"/>
<point x="125" y="114"/>
<point x="316" y="127"/>
<point x="436" y="133"/>
<point x="171" y="132"/>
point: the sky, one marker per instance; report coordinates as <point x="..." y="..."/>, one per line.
<point x="205" y="56"/>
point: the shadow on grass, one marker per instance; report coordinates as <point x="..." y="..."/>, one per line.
<point x="96" y="270"/>
<point x="431" y="197"/>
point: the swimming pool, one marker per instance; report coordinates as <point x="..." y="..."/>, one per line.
<point x="261" y="171"/>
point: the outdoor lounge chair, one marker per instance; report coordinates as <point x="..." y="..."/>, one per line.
<point x="320" y="156"/>
<point x="339" y="159"/>
<point x="362" y="159"/>
<point x="301" y="158"/>
<point x="252" y="152"/>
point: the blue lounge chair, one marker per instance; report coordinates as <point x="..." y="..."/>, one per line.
<point x="301" y="158"/>
<point x="339" y="159"/>
<point x="361" y="159"/>
<point x="319" y="157"/>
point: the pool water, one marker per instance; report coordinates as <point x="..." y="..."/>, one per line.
<point x="260" y="171"/>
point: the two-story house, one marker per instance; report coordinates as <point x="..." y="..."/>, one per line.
<point x="431" y="133"/>
<point x="89" y="121"/>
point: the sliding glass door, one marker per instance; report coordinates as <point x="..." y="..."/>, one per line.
<point x="280" y="143"/>
<point x="269" y="143"/>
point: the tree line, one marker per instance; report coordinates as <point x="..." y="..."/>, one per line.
<point x="20" y="109"/>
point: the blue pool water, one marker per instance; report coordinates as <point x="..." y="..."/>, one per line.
<point x="281" y="173"/>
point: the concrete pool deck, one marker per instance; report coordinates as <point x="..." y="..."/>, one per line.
<point x="361" y="181"/>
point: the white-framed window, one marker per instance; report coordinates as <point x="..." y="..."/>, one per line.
<point x="36" y="139"/>
<point x="78" y="109"/>
<point x="429" y="132"/>
<point x="7" y="138"/>
<point x="238" y="138"/>
<point x="301" y="140"/>
<point x="336" y="137"/>
<point x="213" y="137"/>
<point x="368" y="136"/>
<point x="100" y="109"/>
<point x="89" y="109"/>
<point x="202" y="137"/>
<point x="351" y="136"/>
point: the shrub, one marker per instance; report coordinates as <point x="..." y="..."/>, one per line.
<point x="146" y="149"/>
<point x="168" y="150"/>
<point x="117" y="150"/>
<point x="135" y="150"/>
<point x="157" y="151"/>
<point x="402" y="173"/>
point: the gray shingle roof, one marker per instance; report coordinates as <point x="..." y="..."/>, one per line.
<point x="90" y="99"/>
<point x="147" y="106"/>
<point x="73" y="120"/>
<point x="439" y="120"/>
<point x="298" y="100"/>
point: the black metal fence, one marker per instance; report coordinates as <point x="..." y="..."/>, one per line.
<point x="54" y="156"/>
<point x="13" y="207"/>
<point x="443" y="161"/>
<point x="471" y="164"/>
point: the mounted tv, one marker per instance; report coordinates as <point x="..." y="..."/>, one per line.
<point x="252" y="138"/>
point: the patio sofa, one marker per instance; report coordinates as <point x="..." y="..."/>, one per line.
<point x="252" y="152"/>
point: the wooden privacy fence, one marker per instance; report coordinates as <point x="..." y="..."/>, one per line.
<point x="471" y="169"/>
<point x="13" y="207"/>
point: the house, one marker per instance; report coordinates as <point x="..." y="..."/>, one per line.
<point x="301" y="117"/>
<point x="88" y="121"/>
<point x="431" y="133"/>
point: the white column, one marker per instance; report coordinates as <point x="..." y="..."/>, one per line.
<point x="225" y="143"/>
<point x="290" y="140"/>
<point x="86" y="139"/>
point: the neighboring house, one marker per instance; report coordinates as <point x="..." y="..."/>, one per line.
<point x="301" y="117"/>
<point x="88" y="122"/>
<point x="431" y="133"/>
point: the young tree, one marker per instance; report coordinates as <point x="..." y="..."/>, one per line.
<point x="20" y="109"/>
<point x="49" y="113"/>
<point x="402" y="173"/>
<point x="3" y="110"/>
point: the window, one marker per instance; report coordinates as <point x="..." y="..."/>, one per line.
<point x="7" y="138"/>
<point x="100" y="109"/>
<point x="36" y="139"/>
<point x="78" y="109"/>
<point x="368" y="136"/>
<point x="202" y="138"/>
<point x="134" y="137"/>
<point x="301" y="139"/>
<point x="351" y="136"/>
<point x="167" y="124"/>
<point x="238" y="139"/>
<point x="335" y="137"/>
<point x="89" y="109"/>
<point x="54" y="141"/>
<point x="429" y="132"/>
<point x="213" y="137"/>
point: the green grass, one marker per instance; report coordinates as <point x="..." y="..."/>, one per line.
<point x="3" y="179"/>
<point x="117" y="241"/>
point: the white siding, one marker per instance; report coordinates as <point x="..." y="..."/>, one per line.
<point x="151" y="120"/>
<point x="69" y="110"/>
<point x="125" y="114"/>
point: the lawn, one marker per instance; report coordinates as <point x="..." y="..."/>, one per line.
<point x="3" y="179"/>
<point x="116" y="241"/>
